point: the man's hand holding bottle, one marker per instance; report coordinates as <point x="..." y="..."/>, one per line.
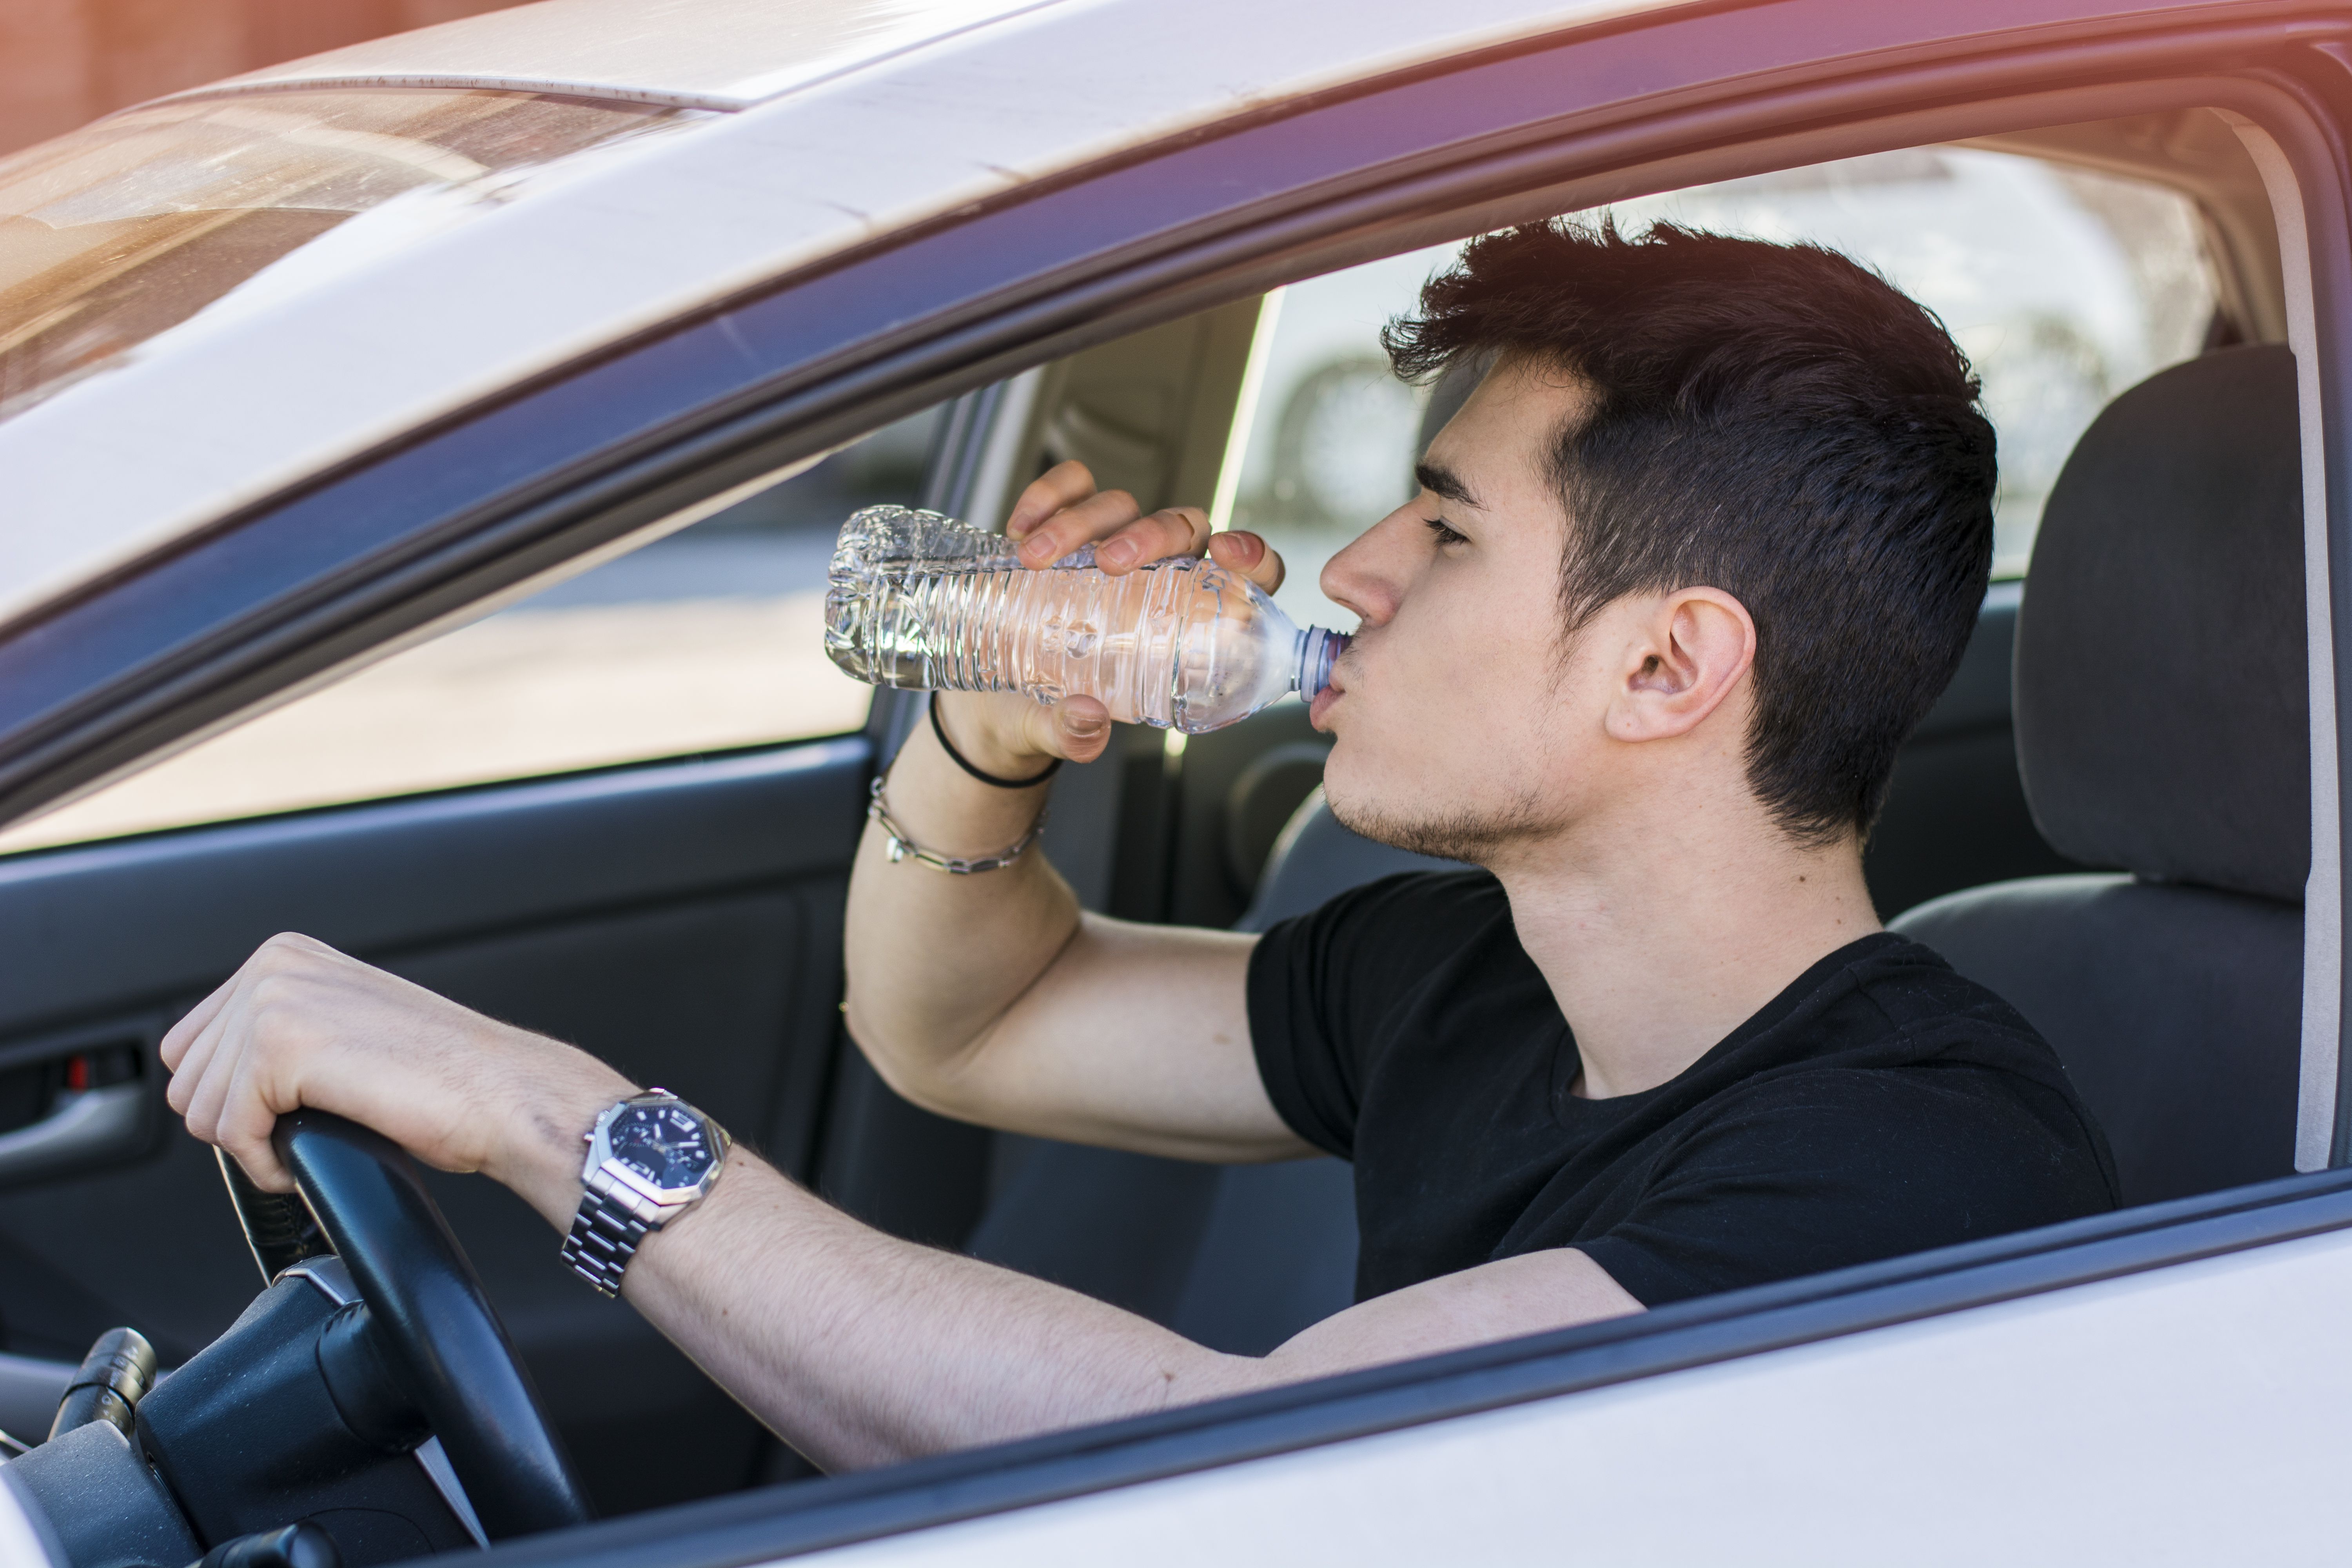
<point x="1013" y="735"/>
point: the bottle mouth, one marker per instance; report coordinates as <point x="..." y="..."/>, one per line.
<point x="1317" y="651"/>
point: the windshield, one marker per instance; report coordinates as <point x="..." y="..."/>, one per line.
<point x="132" y="226"/>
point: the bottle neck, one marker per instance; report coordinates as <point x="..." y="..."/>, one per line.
<point x="1317" y="651"/>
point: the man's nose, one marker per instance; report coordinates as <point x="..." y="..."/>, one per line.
<point x="1363" y="576"/>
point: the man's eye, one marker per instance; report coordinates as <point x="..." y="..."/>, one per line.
<point x="1443" y="534"/>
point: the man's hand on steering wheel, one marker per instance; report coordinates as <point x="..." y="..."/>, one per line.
<point x="302" y="1024"/>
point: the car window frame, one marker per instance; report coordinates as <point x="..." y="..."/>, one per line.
<point x="704" y="419"/>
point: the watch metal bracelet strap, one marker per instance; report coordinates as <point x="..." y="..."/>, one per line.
<point x="605" y="1234"/>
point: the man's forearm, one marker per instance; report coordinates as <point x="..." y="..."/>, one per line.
<point x="860" y="1349"/>
<point x="856" y="1347"/>
<point x="934" y="958"/>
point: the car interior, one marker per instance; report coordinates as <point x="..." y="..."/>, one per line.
<point x="2105" y="817"/>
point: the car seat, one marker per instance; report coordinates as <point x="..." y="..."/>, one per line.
<point x="2163" y="729"/>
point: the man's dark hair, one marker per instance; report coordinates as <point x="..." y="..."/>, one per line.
<point x="1771" y="420"/>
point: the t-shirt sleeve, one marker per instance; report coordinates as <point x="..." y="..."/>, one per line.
<point x="1827" y="1169"/>
<point x="1319" y="982"/>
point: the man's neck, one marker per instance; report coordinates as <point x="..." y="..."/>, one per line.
<point x="1658" y="943"/>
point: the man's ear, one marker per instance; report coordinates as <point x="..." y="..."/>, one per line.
<point x="1690" y="648"/>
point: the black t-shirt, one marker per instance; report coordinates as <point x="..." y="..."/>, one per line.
<point x="1880" y="1105"/>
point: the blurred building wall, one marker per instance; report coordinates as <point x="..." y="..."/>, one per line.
<point x="64" y="62"/>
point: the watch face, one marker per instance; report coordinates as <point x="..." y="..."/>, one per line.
<point x="666" y="1144"/>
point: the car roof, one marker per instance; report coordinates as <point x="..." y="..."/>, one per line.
<point x="864" y="119"/>
<point x="702" y="53"/>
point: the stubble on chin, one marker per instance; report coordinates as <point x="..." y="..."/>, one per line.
<point x="1453" y="834"/>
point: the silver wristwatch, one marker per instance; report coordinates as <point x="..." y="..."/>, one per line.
<point x="651" y="1157"/>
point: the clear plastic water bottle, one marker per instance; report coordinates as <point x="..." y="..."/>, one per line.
<point x="921" y="601"/>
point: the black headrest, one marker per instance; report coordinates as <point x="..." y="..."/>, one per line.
<point x="2163" y="718"/>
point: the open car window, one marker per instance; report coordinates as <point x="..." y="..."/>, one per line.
<point x="708" y="640"/>
<point x="2064" y="287"/>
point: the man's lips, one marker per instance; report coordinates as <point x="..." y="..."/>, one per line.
<point x="1335" y="685"/>
<point x="1323" y="701"/>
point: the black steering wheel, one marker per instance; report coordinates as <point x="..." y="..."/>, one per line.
<point x="430" y="1310"/>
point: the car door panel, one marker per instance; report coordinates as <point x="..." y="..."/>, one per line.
<point x="681" y="920"/>
<point x="713" y="998"/>
<point x="90" y="926"/>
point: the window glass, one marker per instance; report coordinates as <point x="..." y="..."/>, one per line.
<point x="708" y="640"/>
<point x="148" y="220"/>
<point x="2064" y="287"/>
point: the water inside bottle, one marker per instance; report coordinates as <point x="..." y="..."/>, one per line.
<point x="918" y="600"/>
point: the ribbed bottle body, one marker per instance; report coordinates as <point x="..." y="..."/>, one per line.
<point x="921" y="601"/>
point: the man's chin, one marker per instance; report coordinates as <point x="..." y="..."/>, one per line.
<point x="1445" y="836"/>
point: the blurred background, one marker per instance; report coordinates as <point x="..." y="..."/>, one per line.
<point x="65" y="62"/>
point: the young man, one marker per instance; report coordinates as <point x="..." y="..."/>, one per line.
<point x="1698" y="553"/>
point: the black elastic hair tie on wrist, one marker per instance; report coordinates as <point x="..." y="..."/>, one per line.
<point x="965" y="763"/>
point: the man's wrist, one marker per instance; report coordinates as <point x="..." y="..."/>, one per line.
<point x="541" y="1156"/>
<point x="975" y="726"/>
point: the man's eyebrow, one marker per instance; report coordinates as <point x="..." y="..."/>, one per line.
<point x="1443" y="482"/>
